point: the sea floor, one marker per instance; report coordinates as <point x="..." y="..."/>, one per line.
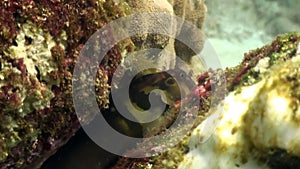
<point x="237" y="26"/>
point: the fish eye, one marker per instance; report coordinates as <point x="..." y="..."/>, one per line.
<point x="182" y="75"/>
<point x="170" y="81"/>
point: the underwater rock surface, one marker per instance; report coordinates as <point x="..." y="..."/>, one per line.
<point x="40" y="42"/>
<point x="257" y="122"/>
<point x="258" y="126"/>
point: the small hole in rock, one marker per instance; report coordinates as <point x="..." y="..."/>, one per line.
<point x="28" y="40"/>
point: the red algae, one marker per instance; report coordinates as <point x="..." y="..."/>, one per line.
<point x="40" y="43"/>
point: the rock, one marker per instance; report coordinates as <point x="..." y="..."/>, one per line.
<point x="39" y="46"/>
<point x="40" y="42"/>
<point x="257" y="124"/>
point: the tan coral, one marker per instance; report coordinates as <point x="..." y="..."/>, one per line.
<point x="190" y="11"/>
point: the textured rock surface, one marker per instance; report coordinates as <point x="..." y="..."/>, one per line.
<point x="259" y="123"/>
<point x="255" y="124"/>
<point x="40" y="42"/>
<point x="258" y="126"/>
<point x="191" y="11"/>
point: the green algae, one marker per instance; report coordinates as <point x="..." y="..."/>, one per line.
<point x="247" y="73"/>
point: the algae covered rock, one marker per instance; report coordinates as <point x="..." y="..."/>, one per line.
<point x="258" y="127"/>
<point x="257" y="124"/>
<point x="40" y="42"/>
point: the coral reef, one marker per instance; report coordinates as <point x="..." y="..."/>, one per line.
<point x="40" y="42"/>
<point x="257" y="61"/>
<point x="262" y="132"/>
<point x="259" y="123"/>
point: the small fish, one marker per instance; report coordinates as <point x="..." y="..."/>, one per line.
<point x="173" y="89"/>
